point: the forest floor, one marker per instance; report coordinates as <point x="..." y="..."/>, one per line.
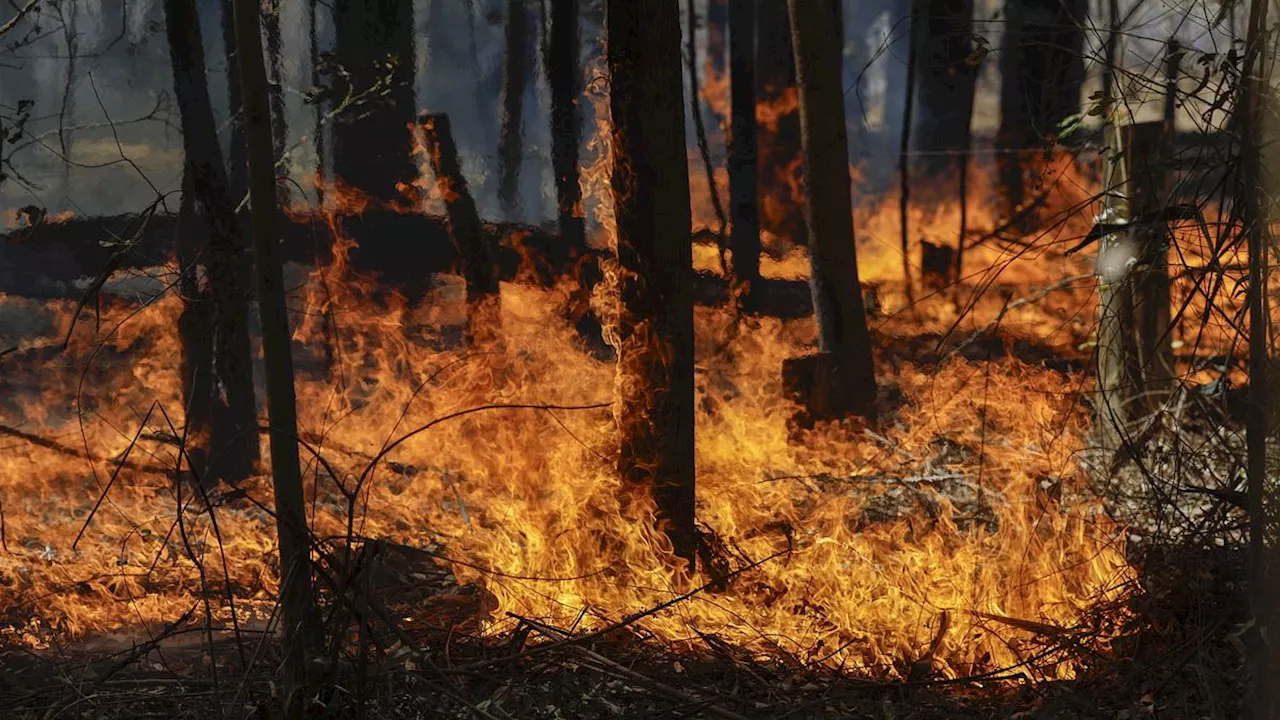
<point x="1178" y="657"/>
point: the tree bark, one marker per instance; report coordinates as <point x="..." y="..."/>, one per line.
<point x="650" y="183"/>
<point x="372" y="144"/>
<point x="942" y="46"/>
<point x="744" y="212"/>
<point x="1042" y="70"/>
<point x="564" y="78"/>
<point x="219" y="368"/>
<point x="464" y="226"/>
<point x="844" y="370"/>
<point x="1262" y="654"/>
<point x="299" y="619"/>
<point x="1135" y="355"/>
<point x="515" y="76"/>
<point x="237" y="163"/>
<point x="279" y="126"/>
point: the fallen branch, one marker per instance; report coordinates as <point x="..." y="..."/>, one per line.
<point x="59" y="448"/>
<point x="606" y="665"/>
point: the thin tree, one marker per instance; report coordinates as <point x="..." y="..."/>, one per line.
<point x="1262" y="654"/>
<point x="515" y="77"/>
<point x="564" y="78"/>
<point x="650" y="182"/>
<point x="845" y="374"/>
<point x="744" y="184"/>
<point x="297" y="609"/>
<point x="222" y="415"/>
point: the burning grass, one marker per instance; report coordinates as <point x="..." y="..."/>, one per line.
<point x="519" y="493"/>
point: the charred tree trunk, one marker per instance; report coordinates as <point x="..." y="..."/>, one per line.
<point x="464" y="226"/>
<point x="280" y="129"/>
<point x="844" y="376"/>
<point x="1042" y="71"/>
<point x="372" y="144"/>
<point x="744" y="213"/>
<point x="318" y="107"/>
<point x="515" y="77"/>
<point x="778" y="140"/>
<point x="564" y="79"/>
<point x="650" y="182"/>
<point x="237" y="163"/>
<point x="299" y="619"/>
<point x="945" y="75"/>
<point x="215" y="325"/>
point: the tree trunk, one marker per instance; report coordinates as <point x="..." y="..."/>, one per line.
<point x="778" y="144"/>
<point x="1262" y="651"/>
<point x="237" y="163"/>
<point x="515" y="76"/>
<point x="1135" y="355"/>
<point x="942" y="46"/>
<point x="373" y="143"/>
<point x="464" y="226"/>
<point x="845" y="376"/>
<point x="744" y="211"/>
<point x="299" y="619"/>
<point x="564" y="78"/>
<point x="280" y="128"/>
<point x="650" y="182"/>
<point x="219" y="362"/>
<point x="1042" y="70"/>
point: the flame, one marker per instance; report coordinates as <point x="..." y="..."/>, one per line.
<point x="844" y="550"/>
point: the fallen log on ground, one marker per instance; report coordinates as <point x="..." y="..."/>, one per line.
<point x="404" y="250"/>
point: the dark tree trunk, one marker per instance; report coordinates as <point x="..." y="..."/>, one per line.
<point x="515" y="77"/>
<point x="464" y="225"/>
<point x="1041" y="70"/>
<point x="844" y="376"/>
<point x="778" y="145"/>
<point x="318" y="108"/>
<point x="650" y="182"/>
<point x="237" y="163"/>
<point x="564" y="78"/>
<point x="280" y="128"/>
<point x="744" y="210"/>
<point x="942" y="46"/>
<point x="218" y="365"/>
<point x="372" y="144"/>
<point x="299" y="619"/>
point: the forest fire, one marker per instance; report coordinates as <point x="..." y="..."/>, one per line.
<point x="722" y="382"/>
<point x="842" y="547"/>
